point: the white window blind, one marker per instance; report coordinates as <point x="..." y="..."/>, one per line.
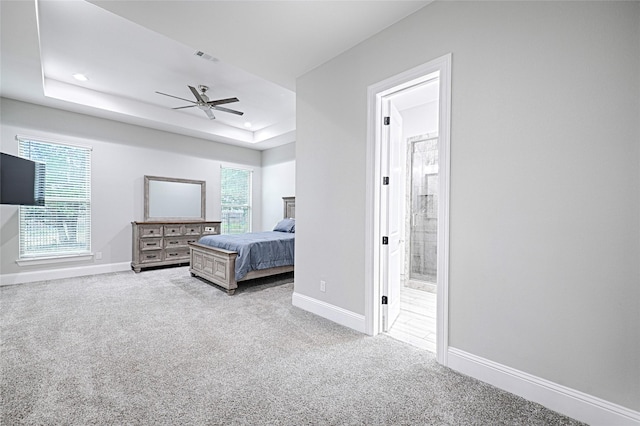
<point x="236" y="200"/>
<point x="63" y="226"/>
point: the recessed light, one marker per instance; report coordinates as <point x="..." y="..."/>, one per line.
<point x="247" y="124"/>
<point x="80" y="77"/>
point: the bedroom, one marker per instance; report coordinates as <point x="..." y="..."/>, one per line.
<point x="547" y="63"/>
<point x="126" y="156"/>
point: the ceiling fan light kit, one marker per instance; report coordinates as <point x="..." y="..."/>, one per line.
<point x="204" y="103"/>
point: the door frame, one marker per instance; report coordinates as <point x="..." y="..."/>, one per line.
<point x="373" y="237"/>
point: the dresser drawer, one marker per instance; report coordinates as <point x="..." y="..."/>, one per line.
<point x="176" y="253"/>
<point x="151" y="256"/>
<point x="192" y="239"/>
<point x="150" y="231"/>
<point x="170" y="230"/>
<point x="190" y="229"/>
<point x="150" y="243"/>
<point x="173" y="242"/>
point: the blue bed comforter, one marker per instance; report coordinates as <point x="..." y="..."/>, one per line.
<point x="256" y="250"/>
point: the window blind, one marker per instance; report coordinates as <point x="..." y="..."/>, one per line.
<point x="63" y="226"/>
<point x="236" y="200"/>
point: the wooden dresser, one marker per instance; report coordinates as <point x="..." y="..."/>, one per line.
<point x="166" y="243"/>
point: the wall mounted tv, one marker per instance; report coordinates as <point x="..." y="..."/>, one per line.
<point x="21" y="181"/>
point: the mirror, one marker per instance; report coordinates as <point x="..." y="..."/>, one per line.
<point x="167" y="199"/>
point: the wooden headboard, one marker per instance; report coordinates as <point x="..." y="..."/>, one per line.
<point x="289" y="207"/>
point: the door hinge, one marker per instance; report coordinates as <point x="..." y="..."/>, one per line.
<point x="385" y="180"/>
<point x="384" y="300"/>
<point x="385" y="241"/>
<point x="387" y="121"/>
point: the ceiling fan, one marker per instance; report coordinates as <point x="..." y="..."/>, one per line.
<point x="203" y="102"/>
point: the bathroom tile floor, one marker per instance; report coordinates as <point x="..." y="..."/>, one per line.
<point x="416" y="323"/>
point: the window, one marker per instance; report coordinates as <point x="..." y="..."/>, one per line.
<point x="236" y="200"/>
<point x="63" y="226"/>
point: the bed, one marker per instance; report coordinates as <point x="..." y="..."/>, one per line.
<point x="225" y="260"/>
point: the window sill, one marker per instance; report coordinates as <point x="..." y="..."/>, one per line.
<point x="54" y="259"/>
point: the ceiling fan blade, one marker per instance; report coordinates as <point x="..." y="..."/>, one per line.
<point x="196" y="94"/>
<point x="182" y="99"/>
<point x="232" y="111"/>
<point x="222" y="101"/>
<point x="188" y="106"/>
<point x="209" y="114"/>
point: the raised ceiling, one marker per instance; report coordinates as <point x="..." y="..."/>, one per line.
<point x="131" y="49"/>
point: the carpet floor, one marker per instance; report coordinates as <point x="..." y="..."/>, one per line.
<point x="162" y="347"/>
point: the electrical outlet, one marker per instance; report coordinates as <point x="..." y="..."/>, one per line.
<point x="323" y="286"/>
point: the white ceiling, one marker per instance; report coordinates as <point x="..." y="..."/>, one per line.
<point x="131" y="49"/>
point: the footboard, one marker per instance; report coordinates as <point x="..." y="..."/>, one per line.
<point x="214" y="264"/>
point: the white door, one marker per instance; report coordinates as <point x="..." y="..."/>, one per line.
<point x="392" y="225"/>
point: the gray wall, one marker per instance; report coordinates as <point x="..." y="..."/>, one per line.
<point x="545" y="182"/>
<point x="278" y="180"/>
<point x="122" y="154"/>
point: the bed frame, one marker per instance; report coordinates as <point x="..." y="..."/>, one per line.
<point x="219" y="266"/>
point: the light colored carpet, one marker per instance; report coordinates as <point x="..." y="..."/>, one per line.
<point x="162" y="347"/>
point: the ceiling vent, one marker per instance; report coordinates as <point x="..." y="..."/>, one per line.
<point x="205" y="56"/>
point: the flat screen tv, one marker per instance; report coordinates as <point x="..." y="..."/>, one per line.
<point x="21" y="181"/>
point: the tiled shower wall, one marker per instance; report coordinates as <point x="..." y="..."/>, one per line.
<point x="422" y="209"/>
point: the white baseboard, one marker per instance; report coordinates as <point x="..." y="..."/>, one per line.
<point x="330" y="312"/>
<point x="564" y="400"/>
<point x="53" y="274"/>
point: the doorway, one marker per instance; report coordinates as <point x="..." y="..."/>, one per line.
<point x="407" y="240"/>
<point x="413" y="191"/>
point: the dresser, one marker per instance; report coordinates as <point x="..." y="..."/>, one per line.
<point x="166" y="243"/>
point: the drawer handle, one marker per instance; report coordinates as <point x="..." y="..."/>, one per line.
<point x="151" y="232"/>
<point x="173" y="242"/>
<point x="152" y="244"/>
<point x="173" y="254"/>
<point x="151" y="256"/>
<point x="173" y="230"/>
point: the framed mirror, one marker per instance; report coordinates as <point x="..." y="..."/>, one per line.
<point x="170" y="199"/>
